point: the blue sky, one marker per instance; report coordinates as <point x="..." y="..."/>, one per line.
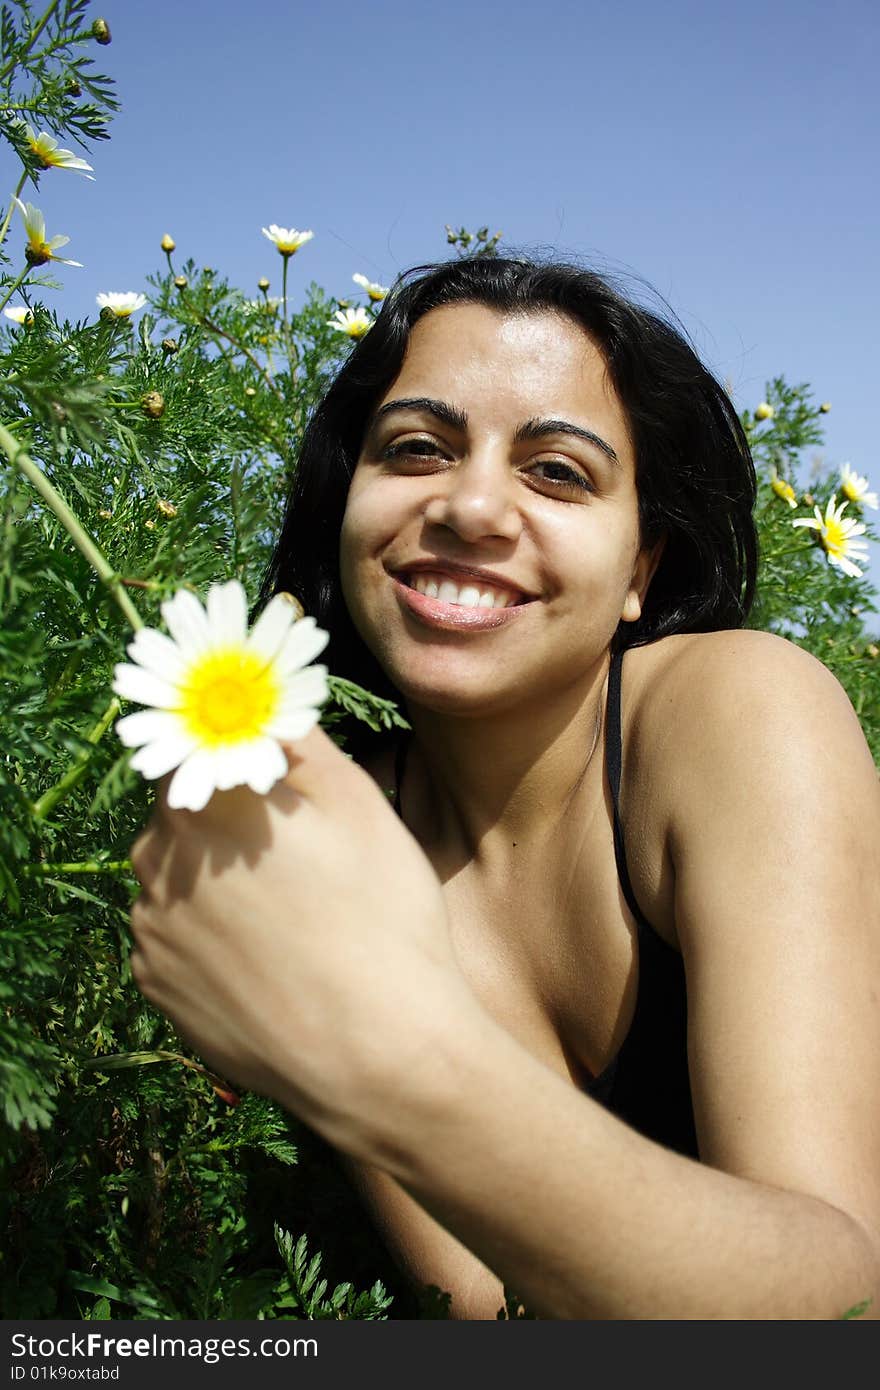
<point x="725" y="153"/>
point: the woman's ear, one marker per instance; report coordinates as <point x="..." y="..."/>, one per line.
<point x="644" y="569"/>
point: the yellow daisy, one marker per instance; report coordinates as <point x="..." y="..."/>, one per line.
<point x="354" y="322"/>
<point x="51" y="156"/>
<point x="121" y="304"/>
<point x="38" y="250"/>
<point x="376" y="292"/>
<point x="856" y="487"/>
<point x="837" y="536"/>
<point x="287" y="239"/>
<point x="221" y="700"/>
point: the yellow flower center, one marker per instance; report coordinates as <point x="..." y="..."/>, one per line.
<point x="851" y="490"/>
<point x="834" y="537"/>
<point x="229" y="697"/>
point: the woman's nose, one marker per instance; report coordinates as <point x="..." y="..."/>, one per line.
<point x="477" y="498"/>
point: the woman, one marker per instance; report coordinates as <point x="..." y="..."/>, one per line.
<point x="595" y="1015"/>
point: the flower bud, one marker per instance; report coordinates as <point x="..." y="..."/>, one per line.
<point x="58" y="412"/>
<point x="150" y="524"/>
<point x="105" y="514"/>
<point x="872" y="650"/>
<point x="165" y="508"/>
<point x="824" y="407"/>
<point x="168" y="243"/>
<point x="170" y="346"/>
<point x="180" y="282"/>
<point x="101" y="31"/>
<point x="263" y="284"/>
<point x="224" y="1093"/>
<point x="764" y="411"/>
<point x="74" y="89"/>
<point x="809" y="499"/>
<point x="249" y="391"/>
<point x="153" y="404"/>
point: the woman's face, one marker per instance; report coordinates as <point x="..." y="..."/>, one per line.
<point x="499" y="463"/>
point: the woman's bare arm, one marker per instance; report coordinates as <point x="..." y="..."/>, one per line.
<point x="775" y="828"/>
<point x="267" y="933"/>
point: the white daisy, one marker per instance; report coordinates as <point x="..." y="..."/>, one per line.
<point x="19" y="314"/>
<point x="287" y="239"/>
<point x="376" y="292"/>
<point x="222" y="699"/>
<point x="837" y="537"/>
<point x="47" y="151"/>
<point x="856" y="487"/>
<point x="354" y="322"/>
<point x="38" y="250"/>
<point x="121" y="304"/>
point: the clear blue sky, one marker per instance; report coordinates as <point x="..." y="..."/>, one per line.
<point x="727" y="153"/>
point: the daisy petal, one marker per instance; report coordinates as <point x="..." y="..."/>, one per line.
<point x="193" y="784"/>
<point x="157" y="653"/>
<point x="303" y="644"/>
<point x="266" y="765"/>
<point x="147" y="726"/>
<point x="307" y="687"/>
<point x="293" y="724"/>
<point x="134" y="683"/>
<point x="232" y="765"/>
<point x="271" y="627"/>
<point x="161" y="756"/>
<point x="227" y="614"/>
<point x="187" y="622"/>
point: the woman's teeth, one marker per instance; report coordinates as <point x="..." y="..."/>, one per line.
<point x="465" y="595"/>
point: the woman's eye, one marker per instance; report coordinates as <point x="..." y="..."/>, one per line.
<point x="415" y="448"/>
<point x="564" y="475"/>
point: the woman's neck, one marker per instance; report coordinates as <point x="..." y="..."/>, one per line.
<point x="478" y="790"/>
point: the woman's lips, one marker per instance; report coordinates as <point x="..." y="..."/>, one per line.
<point x="453" y="617"/>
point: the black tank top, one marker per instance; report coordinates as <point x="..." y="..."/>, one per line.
<point x="646" y="1084"/>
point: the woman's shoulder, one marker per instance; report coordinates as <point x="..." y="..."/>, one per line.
<point x="704" y="708"/>
<point x="700" y="674"/>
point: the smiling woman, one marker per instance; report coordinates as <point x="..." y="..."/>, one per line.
<point x="577" y="1032"/>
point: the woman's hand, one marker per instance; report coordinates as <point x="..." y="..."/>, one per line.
<point x="299" y="941"/>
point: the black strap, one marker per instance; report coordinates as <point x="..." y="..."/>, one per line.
<point x="614" y="760"/>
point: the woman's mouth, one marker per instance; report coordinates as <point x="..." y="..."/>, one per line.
<point x="463" y="604"/>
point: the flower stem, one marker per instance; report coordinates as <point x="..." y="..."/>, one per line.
<point x="12" y="288"/>
<point x="78" y="768"/>
<point x="83" y="541"/>
<point x="86" y="866"/>
<point x="34" y="35"/>
<point x="8" y="218"/>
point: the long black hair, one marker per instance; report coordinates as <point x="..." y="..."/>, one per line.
<point x="694" y="473"/>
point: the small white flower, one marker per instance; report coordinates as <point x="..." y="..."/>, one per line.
<point x="38" y="250"/>
<point x="19" y="314"/>
<point x="47" y="151"/>
<point x="121" y="304"/>
<point x="354" y="322"/>
<point x="837" y="537"/>
<point x="856" y="487"/>
<point x="287" y="239"/>
<point x="221" y="699"/>
<point x="376" y="292"/>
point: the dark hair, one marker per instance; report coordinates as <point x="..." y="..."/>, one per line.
<point x="694" y="472"/>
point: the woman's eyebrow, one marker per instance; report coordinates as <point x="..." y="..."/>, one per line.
<point x="449" y="414"/>
<point x="532" y="429"/>
<point x="536" y="429"/>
